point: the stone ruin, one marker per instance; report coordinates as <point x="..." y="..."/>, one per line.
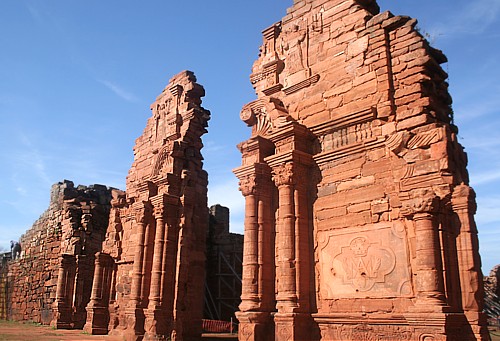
<point x="359" y="218"/>
<point x="52" y="282"/>
<point x="149" y="277"/>
<point x="358" y="215"/>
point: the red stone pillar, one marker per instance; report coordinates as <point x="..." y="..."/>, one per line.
<point x="169" y="262"/>
<point x="293" y="319"/>
<point x="97" y="310"/>
<point x="429" y="274"/>
<point x="63" y="310"/>
<point x="430" y="310"/>
<point x="155" y="320"/>
<point x="259" y="271"/>
<point x="469" y="262"/>
<point x="286" y="268"/>
<point x="250" y="289"/>
<point x="134" y="311"/>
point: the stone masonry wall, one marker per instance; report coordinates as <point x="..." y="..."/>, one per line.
<point x="355" y="180"/>
<point x="74" y="224"/>
<point x="149" y="280"/>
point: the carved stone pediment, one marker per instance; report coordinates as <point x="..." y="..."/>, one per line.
<point x="265" y="115"/>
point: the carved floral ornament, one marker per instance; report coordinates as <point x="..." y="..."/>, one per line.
<point x="421" y="201"/>
<point x="248" y="185"/>
<point x="283" y="174"/>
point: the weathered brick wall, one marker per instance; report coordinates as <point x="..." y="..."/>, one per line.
<point x="74" y="224"/>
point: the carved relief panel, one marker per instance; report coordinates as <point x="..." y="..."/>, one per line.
<point x="367" y="262"/>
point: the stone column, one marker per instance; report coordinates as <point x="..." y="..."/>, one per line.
<point x="293" y="319"/>
<point x="469" y="262"/>
<point x="286" y="268"/>
<point x="63" y="309"/>
<point x="169" y="261"/>
<point x="258" y="253"/>
<point x="250" y="289"/>
<point x="421" y="208"/>
<point x="134" y="311"/>
<point x="97" y="310"/>
<point x="258" y="294"/>
<point x="155" y="321"/>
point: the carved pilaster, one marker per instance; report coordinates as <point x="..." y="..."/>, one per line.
<point x="469" y="262"/>
<point x="154" y="315"/>
<point x="63" y="306"/>
<point x="286" y="298"/>
<point x="135" y="313"/>
<point x="98" y="308"/>
<point x="421" y="208"/>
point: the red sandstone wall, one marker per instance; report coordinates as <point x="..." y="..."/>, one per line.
<point x="153" y="279"/>
<point x="73" y="224"/>
<point x="354" y="149"/>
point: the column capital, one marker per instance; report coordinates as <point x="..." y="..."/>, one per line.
<point x="140" y="210"/>
<point x="422" y="202"/>
<point x="463" y="198"/>
<point x="248" y="185"/>
<point x="283" y="174"/>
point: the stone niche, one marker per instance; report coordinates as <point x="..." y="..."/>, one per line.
<point x="359" y="216"/>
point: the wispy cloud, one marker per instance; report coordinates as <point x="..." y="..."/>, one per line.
<point x="473" y="18"/>
<point x="31" y="158"/>
<point x="488" y="210"/>
<point x="485" y="178"/>
<point x="119" y="91"/>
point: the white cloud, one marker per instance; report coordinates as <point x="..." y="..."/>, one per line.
<point x="118" y="90"/>
<point x="485" y="177"/>
<point x="473" y="18"/>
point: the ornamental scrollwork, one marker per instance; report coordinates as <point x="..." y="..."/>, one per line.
<point x="283" y="174"/>
<point x="248" y="185"/>
<point x="421" y="201"/>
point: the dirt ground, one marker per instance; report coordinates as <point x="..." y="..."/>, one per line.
<point x="16" y="331"/>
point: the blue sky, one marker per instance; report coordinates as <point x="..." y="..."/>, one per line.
<point x="77" y="79"/>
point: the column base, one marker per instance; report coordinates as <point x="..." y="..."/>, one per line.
<point x="63" y="318"/>
<point x="255" y="326"/>
<point x="293" y="326"/>
<point x="97" y="320"/>
<point x="135" y="324"/>
<point x="157" y="326"/>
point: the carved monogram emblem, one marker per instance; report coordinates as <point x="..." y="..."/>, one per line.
<point x="362" y="264"/>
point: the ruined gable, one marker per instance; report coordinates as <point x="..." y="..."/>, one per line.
<point x="353" y="174"/>
<point x="150" y="274"/>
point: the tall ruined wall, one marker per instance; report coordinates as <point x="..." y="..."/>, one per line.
<point x="354" y="178"/>
<point x="149" y="279"/>
<point x="73" y="225"/>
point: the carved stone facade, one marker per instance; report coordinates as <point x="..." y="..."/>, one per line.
<point x="359" y="218"/>
<point x="149" y="278"/>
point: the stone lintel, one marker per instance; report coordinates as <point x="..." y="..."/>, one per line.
<point x="254" y="169"/>
<point x="295" y="156"/>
